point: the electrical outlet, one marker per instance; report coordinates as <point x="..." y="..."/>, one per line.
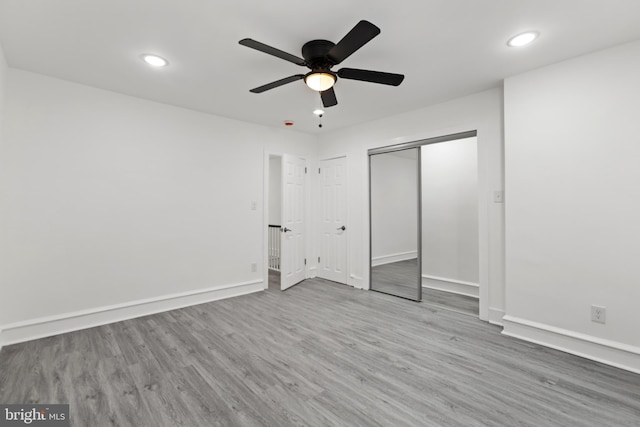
<point x="254" y="267"/>
<point x="598" y="314"/>
<point x="498" y="196"/>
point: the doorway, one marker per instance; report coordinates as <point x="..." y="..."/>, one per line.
<point x="450" y="225"/>
<point x="424" y="209"/>
<point x="286" y="220"/>
<point x="274" y="221"/>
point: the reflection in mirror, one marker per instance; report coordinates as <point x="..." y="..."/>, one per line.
<point x="395" y="227"/>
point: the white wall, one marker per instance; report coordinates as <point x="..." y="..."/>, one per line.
<point x="482" y="112"/>
<point x="394" y="205"/>
<point x="573" y="203"/>
<point x="275" y="190"/>
<point x="4" y="303"/>
<point x="109" y="200"/>
<point x="3" y="84"/>
<point x="450" y="211"/>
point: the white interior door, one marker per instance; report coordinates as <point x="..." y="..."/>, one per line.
<point x="292" y="255"/>
<point x="333" y="240"/>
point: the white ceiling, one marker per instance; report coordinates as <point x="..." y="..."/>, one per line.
<point x="445" y="48"/>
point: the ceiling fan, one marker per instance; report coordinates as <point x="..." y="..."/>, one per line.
<point x="320" y="56"/>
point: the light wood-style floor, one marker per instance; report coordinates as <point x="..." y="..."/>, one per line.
<point x="274" y="280"/>
<point x="317" y="354"/>
<point x="446" y="300"/>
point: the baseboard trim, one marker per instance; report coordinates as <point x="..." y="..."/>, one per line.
<point x="453" y="286"/>
<point x="495" y="316"/>
<point x="388" y="259"/>
<point x="356" y="281"/>
<point x="609" y="352"/>
<point x="59" y="324"/>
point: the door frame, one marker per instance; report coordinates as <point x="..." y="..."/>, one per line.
<point x="483" y="189"/>
<point x="347" y="262"/>
<point x="309" y="240"/>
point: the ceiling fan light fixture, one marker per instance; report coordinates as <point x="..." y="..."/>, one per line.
<point x="320" y="80"/>
<point x="320" y="56"/>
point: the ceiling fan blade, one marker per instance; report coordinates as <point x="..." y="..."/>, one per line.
<point x="272" y="51"/>
<point x="359" y="35"/>
<point x="277" y="83"/>
<point x="329" y="98"/>
<point x="371" y="76"/>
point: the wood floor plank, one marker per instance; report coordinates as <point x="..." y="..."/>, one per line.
<point x="447" y="300"/>
<point x="317" y="354"/>
<point x="126" y="406"/>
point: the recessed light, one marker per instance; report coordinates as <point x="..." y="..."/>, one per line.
<point x="318" y="112"/>
<point x="154" y="60"/>
<point x="523" y="39"/>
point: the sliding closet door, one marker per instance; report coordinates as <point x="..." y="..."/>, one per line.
<point x="395" y="223"/>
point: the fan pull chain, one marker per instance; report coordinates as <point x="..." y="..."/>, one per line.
<point x="319" y="112"/>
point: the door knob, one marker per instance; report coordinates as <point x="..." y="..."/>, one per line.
<point x="341" y="228"/>
<point x="285" y="229"/>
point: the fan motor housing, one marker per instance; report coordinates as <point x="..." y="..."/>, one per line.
<point x="315" y="54"/>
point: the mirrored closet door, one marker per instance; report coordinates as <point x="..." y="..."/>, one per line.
<point x="424" y="219"/>
<point x="395" y="222"/>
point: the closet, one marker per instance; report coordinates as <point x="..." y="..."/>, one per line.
<point x="423" y="221"/>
